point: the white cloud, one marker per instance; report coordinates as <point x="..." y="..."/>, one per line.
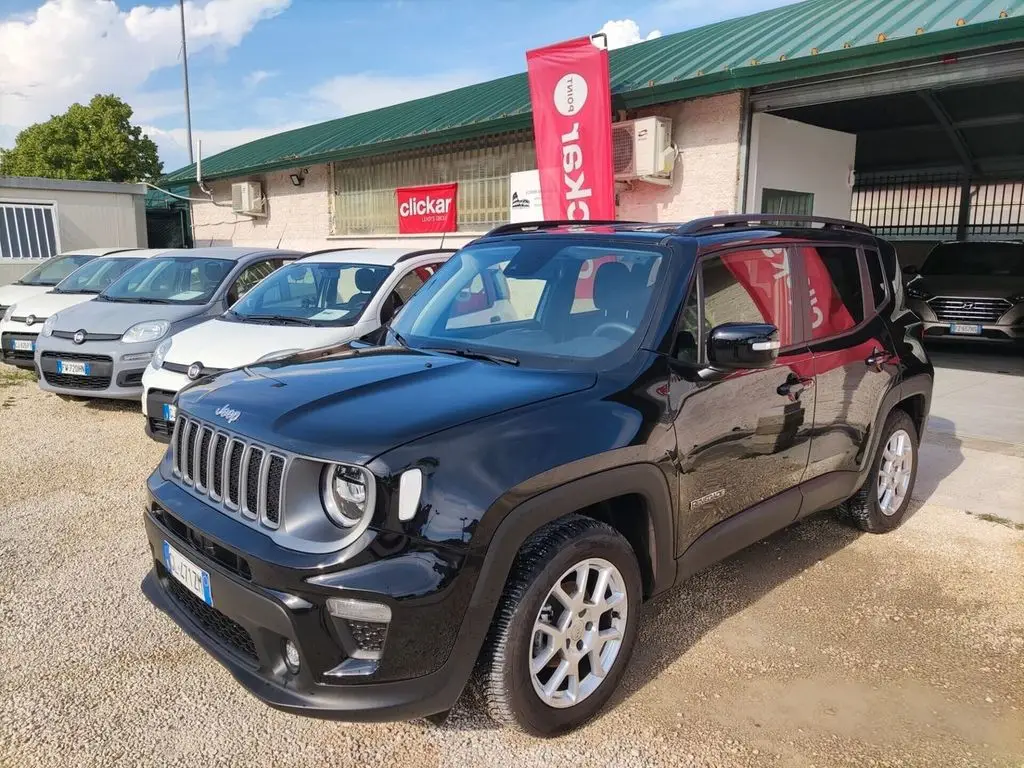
<point x="69" y="50"/>
<point x="350" y="94"/>
<point x="625" y="32"/>
<point x="253" y="79"/>
<point x="173" y="142"/>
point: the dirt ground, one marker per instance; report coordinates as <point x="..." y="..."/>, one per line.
<point x="820" y="646"/>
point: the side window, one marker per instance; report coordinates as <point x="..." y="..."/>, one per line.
<point x="876" y="277"/>
<point x="836" y="293"/>
<point x="252" y="275"/>
<point x="688" y="341"/>
<point x="749" y="287"/>
<point x="408" y="285"/>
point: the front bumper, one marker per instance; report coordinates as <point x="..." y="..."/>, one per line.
<point x="999" y="326"/>
<point x="261" y="598"/>
<point x="18" y="334"/>
<point x="110" y="374"/>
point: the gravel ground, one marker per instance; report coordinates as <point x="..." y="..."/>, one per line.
<point x="817" y="647"/>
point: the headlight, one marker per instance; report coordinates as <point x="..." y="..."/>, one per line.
<point x="348" y="495"/>
<point x="160" y="353"/>
<point x="1018" y="299"/>
<point x="281" y="354"/>
<point x="150" y="330"/>
<point x="918" y="292"/>
<point x="48" y="324"/>
<point x="9" y="313"/>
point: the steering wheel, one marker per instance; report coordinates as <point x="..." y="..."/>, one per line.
<point x="613" y="326"/>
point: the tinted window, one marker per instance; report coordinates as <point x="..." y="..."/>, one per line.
<point x="749" y="287"/>
<point x="876" y="278"/>
<point x="54" y="270"/>
<point x="516" y="298"/>
<point x="95" y="276"/>
<point x="177" y="280"/>
<point x="836" y="294"/>
<point x="317" y="294"/>
<point x="251" y="276"/>
<point x="976" y="259"/>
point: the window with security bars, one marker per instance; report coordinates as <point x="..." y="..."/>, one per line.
<point x="28" y="230"/>
<point x="365" y="190"/>
<point x="784" y="201"/>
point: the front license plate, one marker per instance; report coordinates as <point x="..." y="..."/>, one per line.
<point x="23" y="345"/>
<point x="966" y="330"/>
<point x="72" y="368"/>
<point x="195" y="579"/>
<point x="170" y="412"/>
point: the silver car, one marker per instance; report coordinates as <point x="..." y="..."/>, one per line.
<point x="101" y="348"/>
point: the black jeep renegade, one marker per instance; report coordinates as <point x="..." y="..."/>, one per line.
<point x="564" y="422"/>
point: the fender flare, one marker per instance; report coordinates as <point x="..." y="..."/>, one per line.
<point x="919" y="384"/>
<point x="644" y="480"/>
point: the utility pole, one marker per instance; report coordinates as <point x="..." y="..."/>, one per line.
<point x="184" y="66"/>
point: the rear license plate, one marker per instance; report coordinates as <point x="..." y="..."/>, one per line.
<point x="966" y="330"/>
<point x="23" y="345"/>
<point x="170" y="412"/>
<point x="195" y="579"/>
<point x="72" y="368"/>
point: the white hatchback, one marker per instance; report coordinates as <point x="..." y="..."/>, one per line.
<point x="325" y="298"/>
<point x="22" y="323"/>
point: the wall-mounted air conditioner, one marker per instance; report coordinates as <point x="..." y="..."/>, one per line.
<point x="247" y="198"/>
<point x="642" y="149"/>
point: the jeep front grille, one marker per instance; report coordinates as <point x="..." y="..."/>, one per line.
<point x="231" y="472"/>
<point x="950" y="309"/>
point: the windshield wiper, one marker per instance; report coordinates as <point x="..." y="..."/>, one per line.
<point x="473" y="354"/>
<point x="282" y="319"/>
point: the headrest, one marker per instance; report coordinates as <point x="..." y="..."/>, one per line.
<point x="366" y="279"/>
<point x="612" y="282"/>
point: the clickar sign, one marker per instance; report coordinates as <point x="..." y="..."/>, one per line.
<point x="427" y="209"/>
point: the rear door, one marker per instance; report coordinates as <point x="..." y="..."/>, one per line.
<point x="744" y="438"/>
<point x="854" y="360"/>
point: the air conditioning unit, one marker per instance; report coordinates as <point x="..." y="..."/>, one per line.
<point x="247" y="198"/>
<point x="642" y="149"/>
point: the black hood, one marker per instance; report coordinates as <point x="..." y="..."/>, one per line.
<point x="359" y="404"/>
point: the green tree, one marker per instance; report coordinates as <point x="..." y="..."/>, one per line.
<point x="96" y="142"/>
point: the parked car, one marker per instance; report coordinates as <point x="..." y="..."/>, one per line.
<point x="46" y="275"/>
<point x="351" y="535"/>
<point x="20" y="326"/>
<point x="328" y="297"/>
<point x="101" y="348"/>
<point x="970" y="290"/>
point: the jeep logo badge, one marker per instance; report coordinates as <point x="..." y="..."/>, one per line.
<point x="30" y="320"/>
<point x="227" y="413"/>
<point x="79" y="337"/>
<point x="195" y="371"/>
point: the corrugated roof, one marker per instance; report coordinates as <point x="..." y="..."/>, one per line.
<point x="809" y="39"/>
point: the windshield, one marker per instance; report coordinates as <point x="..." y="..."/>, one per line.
<point x="95" y="276"/>
<point x="54" y="269"/>
<point x="560" y="300"/>
<point x="170" y="280"/>
<point x="976" y="260"/>
<point x="316" y="294"/>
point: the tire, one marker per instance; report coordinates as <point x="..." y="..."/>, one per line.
<point x="547" y="559"/>
<point x="864" y="509"/>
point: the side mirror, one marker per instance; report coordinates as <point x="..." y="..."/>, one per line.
<point x="743" y="346"/>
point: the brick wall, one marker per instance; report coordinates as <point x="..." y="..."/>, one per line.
<point x="705" y="182"/>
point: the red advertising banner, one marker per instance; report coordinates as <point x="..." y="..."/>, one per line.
<point x="427" y="209"/>
<point x="572" y="129"/>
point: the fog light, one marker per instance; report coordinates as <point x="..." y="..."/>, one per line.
<point x="291" y="657"/>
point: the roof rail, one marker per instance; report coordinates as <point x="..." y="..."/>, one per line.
<point x="531" y="226"/>
<point x="423" y="252"/>
<point x="332" y="250"/>
<point x="717" y="223"/>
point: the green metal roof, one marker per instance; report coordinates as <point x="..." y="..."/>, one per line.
<point x="808" y="39"/>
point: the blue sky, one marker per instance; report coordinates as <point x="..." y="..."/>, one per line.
<point x="261" y="66"/>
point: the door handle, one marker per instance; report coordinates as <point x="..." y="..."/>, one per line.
<point x="878" y="358"/>
<point x="794" y="386"/>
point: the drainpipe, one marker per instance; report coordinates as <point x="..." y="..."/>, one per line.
<point x="743" y="171"/>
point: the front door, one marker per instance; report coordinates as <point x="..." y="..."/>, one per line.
<point x="854" y="360"/>
<point x="743" y="438"/>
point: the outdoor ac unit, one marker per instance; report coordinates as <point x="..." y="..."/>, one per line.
<point x="247" y="198"/>
<point x="642" y="149"/>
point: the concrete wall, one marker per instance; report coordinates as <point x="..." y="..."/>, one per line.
<point x="90" y="214"/>
<point x="797" y="157"/>
<point x="705" y="182"/>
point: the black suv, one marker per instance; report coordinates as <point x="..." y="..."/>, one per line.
<point x="506" y="476"/>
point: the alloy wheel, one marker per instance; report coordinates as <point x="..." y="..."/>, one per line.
<point x="895" y="471"/>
